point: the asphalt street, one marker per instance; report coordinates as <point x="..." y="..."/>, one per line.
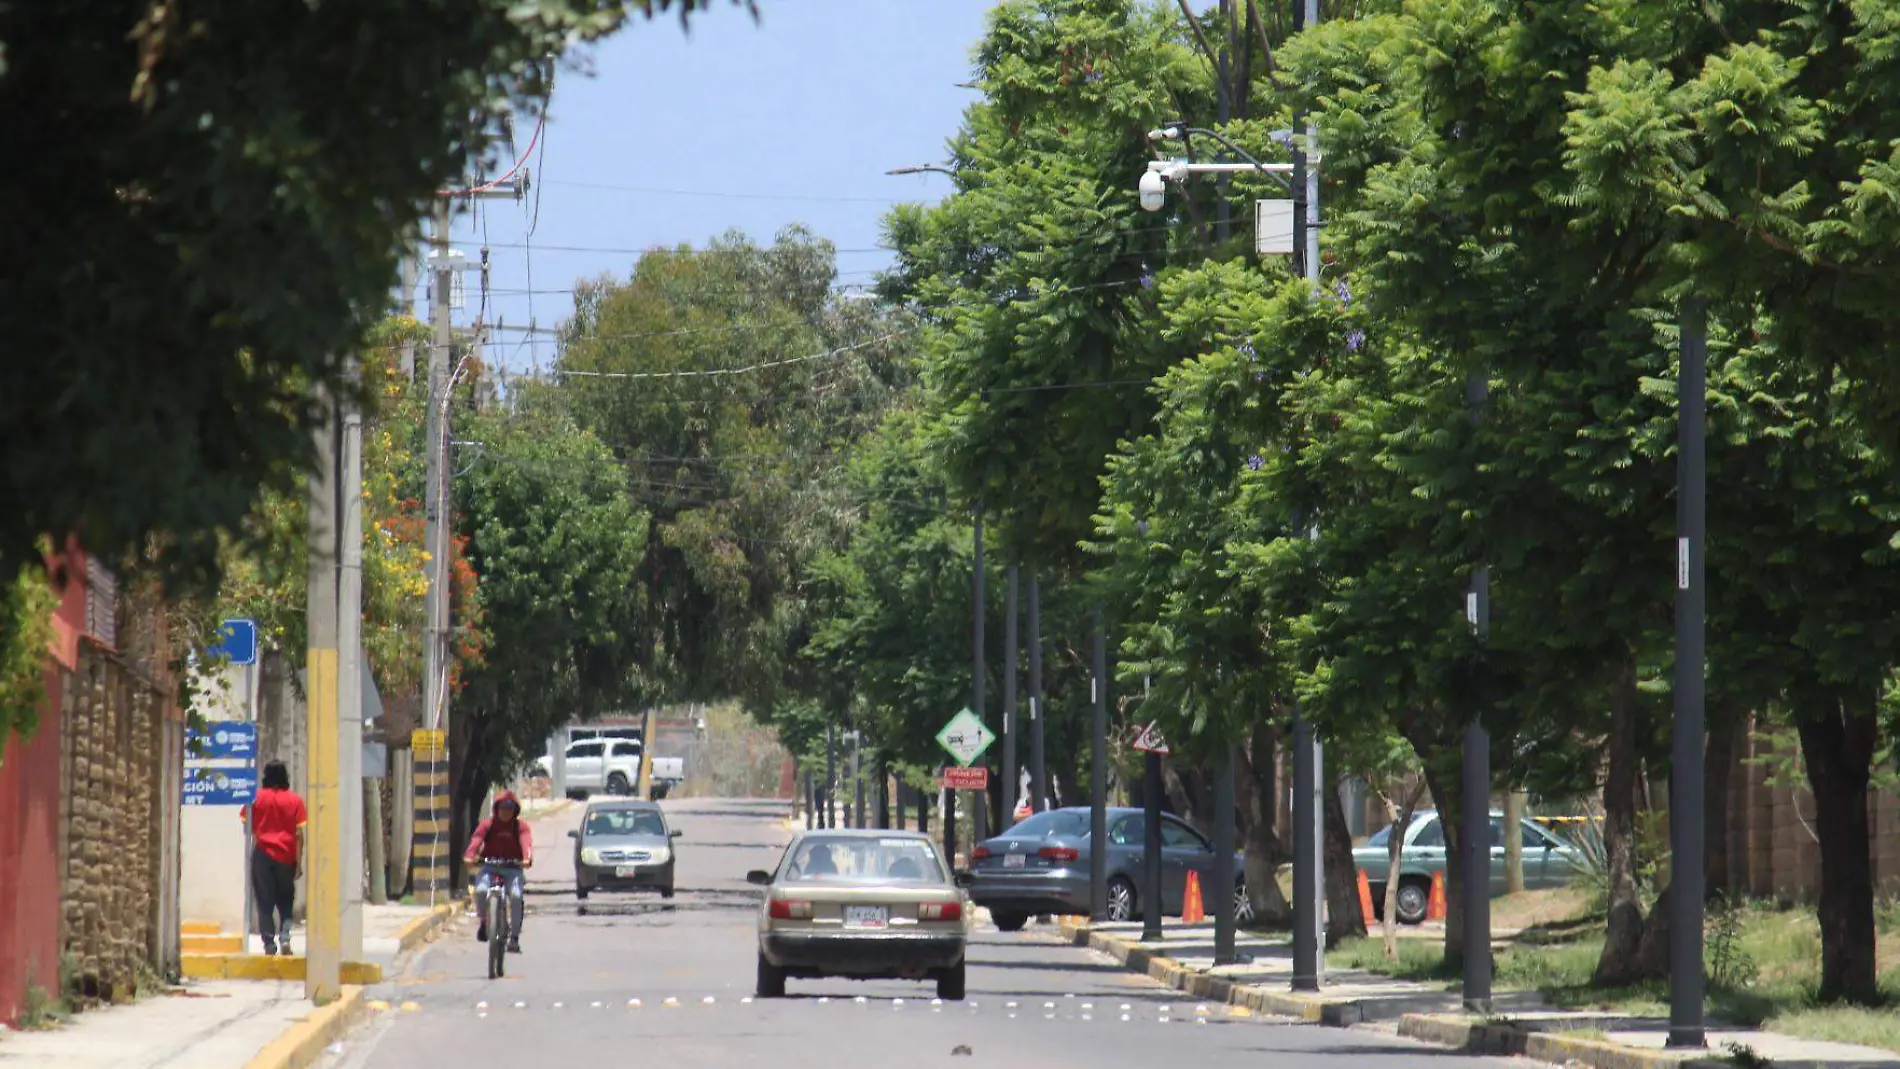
<point x="638" y="981"/>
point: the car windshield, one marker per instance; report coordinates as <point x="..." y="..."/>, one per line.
<point x="1048" y="825"/>
<point x="625" y="822"/>
<point x="862" y="860"/>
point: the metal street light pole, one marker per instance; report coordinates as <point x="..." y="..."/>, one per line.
<point x="1686" y="819"/>
<point x="1011" y="649"/>
<point x="979" y="819"/>
<point x="1038" y="769"/>
<point x="1098" y="775"/>
<point x="1475" y="838"/>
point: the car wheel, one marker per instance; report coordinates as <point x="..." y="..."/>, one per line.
<point x="950" y="983"/>
<point x="1243" y="905"/>
<point x="1414" y="898"/>
<point x="1007" y="921"/>
<point x="581" y="909"/>
<point x="617" y="784"/>
<point x="667" y="891"/>
<point x="771" y="980"/>
<point x="659" y="793"/>
<point x="1122" y="904"/>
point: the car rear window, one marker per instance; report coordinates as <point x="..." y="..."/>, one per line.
<point x="862" y="860"/>
<point x="1049" y="824"/>
<point x="624" y="822"/>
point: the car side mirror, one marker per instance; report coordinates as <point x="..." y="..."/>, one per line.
<point x="675" y="833"/>
<point x="574" y="833"/>
<point x="759" y="877"/>
<point x="965" y="878"/>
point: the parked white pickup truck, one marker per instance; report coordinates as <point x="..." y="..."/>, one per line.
<point x="612" y="766"/>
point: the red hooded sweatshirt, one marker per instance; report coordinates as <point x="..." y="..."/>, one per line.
<point x="502" y="838"/>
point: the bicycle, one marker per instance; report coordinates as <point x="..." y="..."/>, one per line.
<point x="494" y="910"/>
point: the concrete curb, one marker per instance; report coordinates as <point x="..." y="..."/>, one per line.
<point x="1476" y="1037"/>
<point x="1137" y="958"/>
<point x="303" y="1043"/>
<point x="269" y="967"/>
<point x="425" y="927"/>
<point x="1462" y="1033"/>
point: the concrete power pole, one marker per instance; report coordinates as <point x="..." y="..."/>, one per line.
<point x="324" y="906"/>
<point x="350" y="679"/>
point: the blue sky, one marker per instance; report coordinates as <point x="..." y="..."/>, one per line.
<point x="677" y="136"/>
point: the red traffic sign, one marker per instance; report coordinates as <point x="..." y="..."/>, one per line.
<point x="1150" y="741"/>
<point x="966" y="779"/>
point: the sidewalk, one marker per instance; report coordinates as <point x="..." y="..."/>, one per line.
<point x="1520" y="1023"/>
<point x="220" y="1023"/>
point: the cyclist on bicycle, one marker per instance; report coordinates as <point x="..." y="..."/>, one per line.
<point x="505" y="845"/>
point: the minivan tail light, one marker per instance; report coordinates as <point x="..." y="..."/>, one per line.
<point x="940" y="911"/>
<point x="980" y="853"/>
<point x="786" y="909"/>
<point x="1059" y="853"/>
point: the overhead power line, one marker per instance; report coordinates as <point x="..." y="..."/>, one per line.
<point x="718" y="371"/>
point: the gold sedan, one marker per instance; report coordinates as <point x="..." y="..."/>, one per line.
<point x="865" y="905"/>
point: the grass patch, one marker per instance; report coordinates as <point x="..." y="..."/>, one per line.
<point x="1772" y="966"/>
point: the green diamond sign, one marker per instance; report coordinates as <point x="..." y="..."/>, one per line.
<point x="965" y="737"/>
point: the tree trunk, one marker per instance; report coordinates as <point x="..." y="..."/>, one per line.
<point x="1514" y="842"/>
<point x="1401" y="818"/>
<point x="1617" y="966"/>
<point x="1263" y="853"/>
<point x="1718" y="761"/>
<point x="1652" y="949"/>
<point x="1837" y="743"/>
<point x="1342" y="876"/>
<point x="1446" y="799"/>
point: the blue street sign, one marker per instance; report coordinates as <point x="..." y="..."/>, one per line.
<point x="222" y="740"/>
<point x="220" y="786"/>
<point x="238" y="643"/>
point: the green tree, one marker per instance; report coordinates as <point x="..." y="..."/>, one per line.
<point x="558" y="547"/>
<point x="223" y="236"/>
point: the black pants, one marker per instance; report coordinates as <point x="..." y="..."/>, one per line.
<point x="274" y="886"/>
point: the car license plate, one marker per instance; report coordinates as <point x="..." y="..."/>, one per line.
<point x="1013" y="861"/>
<point x="624" y="871"/>
<point x="866" y="917"/>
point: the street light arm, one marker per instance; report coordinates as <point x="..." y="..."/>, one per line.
<point x="922" y="168"/>
<point x="1229" y="145"/>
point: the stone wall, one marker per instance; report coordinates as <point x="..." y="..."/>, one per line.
<point x="114" y="720"/>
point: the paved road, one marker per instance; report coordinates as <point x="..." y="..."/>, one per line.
<point x="641" y="982"/>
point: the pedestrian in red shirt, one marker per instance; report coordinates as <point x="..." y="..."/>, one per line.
<point x="277" y="818"/>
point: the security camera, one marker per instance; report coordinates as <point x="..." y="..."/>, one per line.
<point x="1153" y="190"/>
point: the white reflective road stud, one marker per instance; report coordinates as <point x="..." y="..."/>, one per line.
<point x="670" y="1003"/>
<point x="746" y="1001"/>
<point x="557" y="1005"/>
<point x="707" y="1001"/>
<point x="593" y="1005"/>
<point x="521" y="1005"/>
<point x="633" y="1003"/>
<point x="409" y="1007"/>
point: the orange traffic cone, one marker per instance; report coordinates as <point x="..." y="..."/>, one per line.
<point x="1365" y="901"/>
<point x="1192" y="912"/>
<point x="1435" y="906"/>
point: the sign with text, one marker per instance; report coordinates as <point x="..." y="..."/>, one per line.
<point x="966" y="779"/>
<point x="222" y="740"/>
<point x="965" y="737"/>
<point x="237" y="642"/>
<point x="220" y="786"/>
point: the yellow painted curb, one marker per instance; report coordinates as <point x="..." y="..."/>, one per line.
<point x="211" y="944"/>
<point x="302" y="1044"/>
<point x="200" y="928"/>
<point x="423" y="928"/>
<point x="268" y="967"/>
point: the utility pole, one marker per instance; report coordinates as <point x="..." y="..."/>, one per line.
<point x="435" y="820"/>
<point x="857" y="777"/>
<point x="1475" y="840"/>
<point x="1038" y="769"/>
<point x="1010" y="654"/>
<point x="1222" y="893"/>
<point x="645" y="787"/>
<point x="1098" y="773"/>
<point x="323" y="908"/>
<point x="979" y="820"/>
<point x="350" y="679"/>
<point x="1309" y="873"/>
<point x="1686" y="819"/>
